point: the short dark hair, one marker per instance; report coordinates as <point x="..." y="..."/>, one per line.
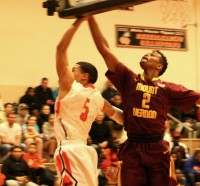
<point x="6" y="104"/>
<point x="90" y="69"/>
<point x="29" y="89"/>
<point x="44" y="79"/>
<point x="163" y="60"/>
<point x="16" y="147"/>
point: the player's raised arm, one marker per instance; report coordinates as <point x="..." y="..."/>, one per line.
<point x="62" y="65"/>
<point x="102" y="45"/>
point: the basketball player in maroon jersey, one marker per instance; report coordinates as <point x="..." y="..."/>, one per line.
<point x="146" y="99"/>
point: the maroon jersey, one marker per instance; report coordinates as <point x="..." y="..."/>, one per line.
<point x="146" y="103"/>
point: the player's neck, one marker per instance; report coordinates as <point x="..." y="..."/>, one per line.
<point x="84" y="83"/>
<point x="150" y="75"/>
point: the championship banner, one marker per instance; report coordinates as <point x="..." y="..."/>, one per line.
<point x="151" y="37"/>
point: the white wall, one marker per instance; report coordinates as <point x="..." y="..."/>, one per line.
<point x="29" y="37"/>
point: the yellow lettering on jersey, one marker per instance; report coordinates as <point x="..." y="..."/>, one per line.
<point x="146" y="88"/>
<point x="143" y="113"/>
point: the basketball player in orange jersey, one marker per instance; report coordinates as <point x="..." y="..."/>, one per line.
<point x="77" y="105"/>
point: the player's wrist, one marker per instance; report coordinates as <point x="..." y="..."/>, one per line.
<point x="117" y="116"/>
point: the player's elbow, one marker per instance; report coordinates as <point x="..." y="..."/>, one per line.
<point x="103" y="50"/>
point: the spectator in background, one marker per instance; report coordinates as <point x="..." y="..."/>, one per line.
<point x="110" y="163"/>
<point x="179" y="153"/>
<point x="179" y="147"/>
<point x="117" y="101"/>
<point x="34" y="161"/>
<point x="31" y="134"/>
<point x="10" y="135"/>
<point x="8" y="108"/>
<point x="191" y="168"/>
<point x="23" y="113"/>
<point x="16" y="169"/>
<point x="109" y="92"/>
<point x="44" y="95"/>
<point x="100" y="132"/>
<point x="2" y="179"/>
<point x="50" y="142"/>
<point x="43" y="116"/>
<point x="30" y="99"/>
<point x="178" y="172"/>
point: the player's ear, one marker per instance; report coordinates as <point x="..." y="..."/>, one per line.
<point x="86" y="76"/>
<point x="159" y="66"/>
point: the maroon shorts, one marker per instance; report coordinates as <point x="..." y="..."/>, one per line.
<point x="145" y="164"/>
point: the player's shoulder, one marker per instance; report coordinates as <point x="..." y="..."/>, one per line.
<point x="166" y="84"/>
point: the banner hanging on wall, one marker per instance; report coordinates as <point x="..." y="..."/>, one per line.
<point x="151" y="37"/>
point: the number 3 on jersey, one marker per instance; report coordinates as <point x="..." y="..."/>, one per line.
<point x="84" y="114"/>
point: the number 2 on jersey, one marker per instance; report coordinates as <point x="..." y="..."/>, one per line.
<point x="84" y="114"/>
<point x="146" y="100"/>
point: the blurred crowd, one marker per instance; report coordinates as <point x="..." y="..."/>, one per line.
<point x="27" y="136"/>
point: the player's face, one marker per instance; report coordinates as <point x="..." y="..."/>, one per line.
<point x="78" y="74"/>
<point x="150" y="60"/>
